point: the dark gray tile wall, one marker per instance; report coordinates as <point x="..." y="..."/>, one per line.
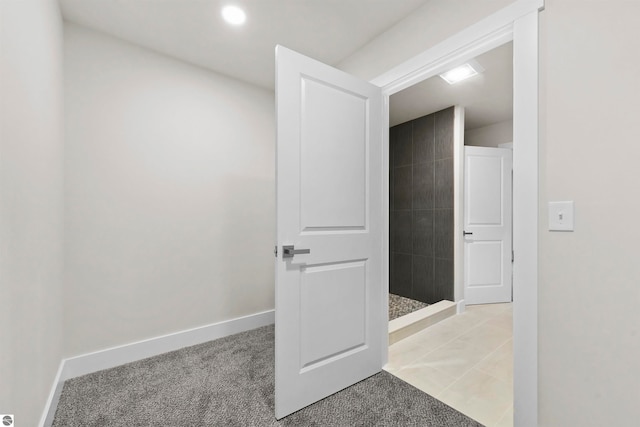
<point x="421" y="208"/>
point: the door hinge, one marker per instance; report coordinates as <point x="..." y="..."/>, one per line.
<point x="275" y="251"/>
<point x="512" y="256"/>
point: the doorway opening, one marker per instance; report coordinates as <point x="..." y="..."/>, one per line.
<point x="433" y="255"/>
<point x="349" y="351"/>
<point x="517" y="23"/>
<point x="432" y="212"/>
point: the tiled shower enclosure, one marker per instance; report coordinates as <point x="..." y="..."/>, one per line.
<point x="421" y="207"/>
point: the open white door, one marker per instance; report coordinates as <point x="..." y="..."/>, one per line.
<point x="329" y="315"/>
<point x="487" y="225"/>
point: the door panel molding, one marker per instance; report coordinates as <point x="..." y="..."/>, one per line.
<point x="487" y="219"/>
<point x="328" y="202"/>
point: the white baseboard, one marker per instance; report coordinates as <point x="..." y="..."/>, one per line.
<point x="461" y="307"/>
<point x="116" y="356"/>
<point x="54" y="396"/>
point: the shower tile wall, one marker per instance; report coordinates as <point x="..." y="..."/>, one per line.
<point x="421" y="208"/>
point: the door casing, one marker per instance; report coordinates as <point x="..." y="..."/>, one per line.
<point x="518" y="23"/>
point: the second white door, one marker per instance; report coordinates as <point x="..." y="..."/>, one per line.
<point x="487" y="225"/>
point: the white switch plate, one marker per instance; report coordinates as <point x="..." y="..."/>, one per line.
<point x="561" y="216"/>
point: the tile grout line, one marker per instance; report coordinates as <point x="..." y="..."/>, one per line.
<point x="480" y="361"/>
<point x="461" y="409"/>
<point x="431" y="350"/>
<point x="491" y="354"/>
<point x="461" y="376"/>
<point x="443" y="344"/>
<point x="446" y="342"/>
<point x="472" y="368"/>
<point x="475" y="366"/>
<point x="510" y="407"/>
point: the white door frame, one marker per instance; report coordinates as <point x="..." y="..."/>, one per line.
<point x="517" y="22"/>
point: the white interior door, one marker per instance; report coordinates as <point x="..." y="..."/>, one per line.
<point x="329" y="314"/>
<point x="487" y="225"/>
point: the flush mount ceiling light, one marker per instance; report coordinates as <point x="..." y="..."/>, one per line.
<point x="234" y="15"/>
<point x="462" y="72"/>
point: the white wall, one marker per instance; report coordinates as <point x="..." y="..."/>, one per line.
<point x="425" y="27"/>
<point x="589" y="328"/>
<point x="589" y="323"/>
<point x="491" y="135"/>
<point x="170" y="194"/>
<point x="31" y="146"/>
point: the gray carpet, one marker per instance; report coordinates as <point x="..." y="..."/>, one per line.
<point x="229" y="382"/>
<point x="399" y="306"/>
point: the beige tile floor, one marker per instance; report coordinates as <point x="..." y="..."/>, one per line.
<point x="465" y="361"/>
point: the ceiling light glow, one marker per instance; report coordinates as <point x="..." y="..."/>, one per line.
<point x="461" y="73"/>
<point x="234" y="15"/>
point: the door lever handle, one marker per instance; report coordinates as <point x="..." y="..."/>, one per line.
<point x="288" y="251"/>
<point x="466" y="233"/>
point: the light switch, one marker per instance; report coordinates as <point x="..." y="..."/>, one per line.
<point x="561" y="216"/>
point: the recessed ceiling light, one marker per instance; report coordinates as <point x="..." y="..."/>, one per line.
<point x="462" y="72"/>
<point x="234" y="15"/>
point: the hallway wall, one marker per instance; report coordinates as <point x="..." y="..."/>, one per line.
<point x="589" y="325"/>
<point x="588" y="288"/>
<point x="169" y="194"/>
<point x="422" y="29"/>
<point x="31" y="208"/>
